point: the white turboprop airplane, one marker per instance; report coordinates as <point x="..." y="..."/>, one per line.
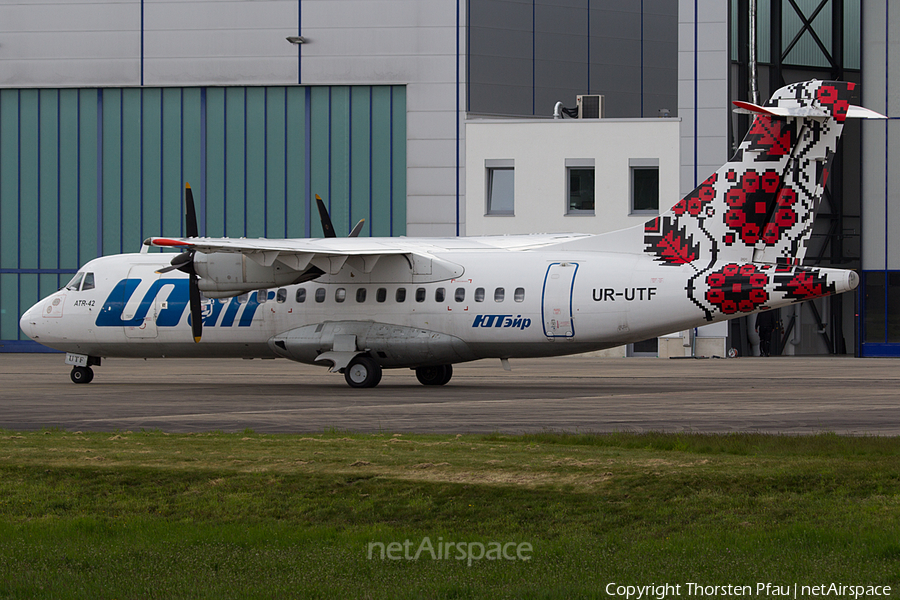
<point x="732" y="247"/>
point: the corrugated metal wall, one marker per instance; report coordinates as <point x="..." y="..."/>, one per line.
<point x="90" y="172"/>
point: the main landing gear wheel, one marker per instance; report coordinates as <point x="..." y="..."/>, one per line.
<point x="82" y="374"/>
<point x="436" y="375"/>
<point x="362" y="372"/>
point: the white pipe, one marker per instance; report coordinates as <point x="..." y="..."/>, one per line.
<point x="557" y="111"/>
<point x="754" y="91"/>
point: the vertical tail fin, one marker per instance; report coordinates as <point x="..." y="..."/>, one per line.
<point x="760" y="205"/>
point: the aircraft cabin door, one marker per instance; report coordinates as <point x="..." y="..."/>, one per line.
<point x="556" y="300"/>
<point x="139" y="312"/>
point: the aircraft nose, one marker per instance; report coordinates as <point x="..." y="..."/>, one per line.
<point x="28" y="322"/>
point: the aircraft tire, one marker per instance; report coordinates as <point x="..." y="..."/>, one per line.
<point x="435" y="375"/>
<point x="82" y="374"/>
<point x="363" y="372"/>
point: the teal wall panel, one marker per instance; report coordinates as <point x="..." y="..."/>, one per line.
<point x="171" y="176"/>
<point x="215" y="162"/>
<point x="382" y="173"/>
<point x="132" y="200"/>
<point x="9" y="180"/>
<point x="275" y="180"/>
<point x="397" y="143"/>
<point x="89" y="176"/>
<point x="320" y="160"/>
<point x="111" y="188"/>
<point x="339" y="160"/>
<point x="255" y="160"/>
<point x="48" y="179"/>
<point x="235" y="162"/>
<point x="29" y="179"/>
<point x="68" y="192"/>
<point x="85" y="172"/>
<point x="297" y="195"/>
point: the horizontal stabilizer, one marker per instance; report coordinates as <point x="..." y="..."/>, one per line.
<point x="853" y="112"/>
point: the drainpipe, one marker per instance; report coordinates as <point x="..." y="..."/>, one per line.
<point x="754" y="90"/>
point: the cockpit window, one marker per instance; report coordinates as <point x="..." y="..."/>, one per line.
<point x="88" y="283"/>
<point x="73" y="285"/>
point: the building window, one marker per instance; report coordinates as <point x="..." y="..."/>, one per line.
<point x="501" y="188"/>
<point x="644" y="185"/>
<point x="580" y="182"/>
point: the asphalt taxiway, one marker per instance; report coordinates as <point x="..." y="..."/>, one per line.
<point x="574" y="394"/>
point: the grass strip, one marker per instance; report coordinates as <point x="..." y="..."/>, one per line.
<point x="217" y="515"/>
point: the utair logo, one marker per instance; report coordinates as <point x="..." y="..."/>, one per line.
<point x="504" y="321"/>
<point x="171" y="298"/>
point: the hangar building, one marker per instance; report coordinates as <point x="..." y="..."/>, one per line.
<point x="108" y="106"/>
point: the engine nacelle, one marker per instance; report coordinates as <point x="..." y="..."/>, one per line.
<point x="225" y="274"/>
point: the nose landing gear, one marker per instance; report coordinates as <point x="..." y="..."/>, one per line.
<point x="81" y="367"/>
<point x="82" y="374"/>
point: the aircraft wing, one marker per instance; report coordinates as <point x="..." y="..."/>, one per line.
<point x="295" y="260"/>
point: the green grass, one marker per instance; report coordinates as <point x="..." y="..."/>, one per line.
<point x="153" y="515"/>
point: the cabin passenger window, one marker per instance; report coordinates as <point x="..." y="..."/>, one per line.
<point x="380" y="295"/>
<point x="439" y="295"/>
<point x="301" y="295"/>
<point x="75" y="284"/>
<point x="479" y="294"/>
<point x="340" y="295"/>
<point x="420" y="295"/>
<point x="400" y="295"/>
<point x="361" y="295"/>
<point x="460" y="295"/>
<point x="88" y="283"/>
<point x="242" y="299"/>
<point x="320" y="295"/>
<point x="520" y="295"/>
<point x="499" y="294"/>
<point x="281" y="296"/>
<point x="262" y="296"/>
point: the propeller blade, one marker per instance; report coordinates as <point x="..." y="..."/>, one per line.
<point x="190" y="215"/>
<point x="196" y="309"/>
<point x="357" y="228"/>
<point x="179" y="261"/>
<point x="327" y="227"/>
